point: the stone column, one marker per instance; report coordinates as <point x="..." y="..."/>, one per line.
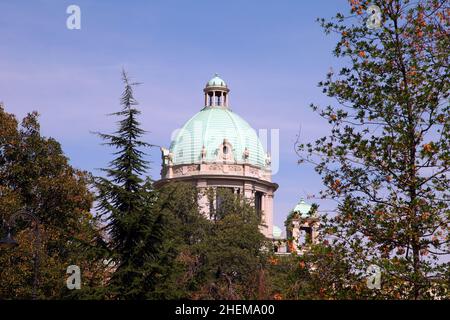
<point x="314" y="232"/>
<point x="221" y="99"/>
<point x="247" y="192"/>
<point x="268" y="213"/>
<point x="295" y="234"/>
<point x="265" y="228"/>
<point x="202" y="186"/>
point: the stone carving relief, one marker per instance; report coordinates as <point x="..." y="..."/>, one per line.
<point x="192" y="168"/>
<point x="216" y="167"/>
<point x="236" y="168"/>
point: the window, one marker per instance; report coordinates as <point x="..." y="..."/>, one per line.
<point x="258" y="202"/>
<point x="304" y="237"/>
<point x="225" y="151"/>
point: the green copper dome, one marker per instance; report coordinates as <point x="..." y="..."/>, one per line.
<point x="302" y="208"/>
<point x="205" y="136"/>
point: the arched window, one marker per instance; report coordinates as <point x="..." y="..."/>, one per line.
<point x="225" y="151"/>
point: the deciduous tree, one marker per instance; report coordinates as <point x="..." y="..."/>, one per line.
<point x="386" y="160"/>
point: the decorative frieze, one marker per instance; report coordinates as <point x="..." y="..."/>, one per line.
<point x="253" y="171"/>
<point x="217" y="168"/>
<point x="192" y="168"/>
<point x="235" y="168"/>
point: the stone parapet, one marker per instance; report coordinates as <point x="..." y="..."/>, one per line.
<point x="244" y="170"/>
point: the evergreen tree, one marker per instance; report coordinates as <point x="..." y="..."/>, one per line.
<point x="386" y="161"/>
<point x="126" y="199"/>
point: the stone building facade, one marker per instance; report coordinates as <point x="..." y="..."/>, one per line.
<point x="216" y="148"/>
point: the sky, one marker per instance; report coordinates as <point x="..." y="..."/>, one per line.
<point x="271" y="53"/>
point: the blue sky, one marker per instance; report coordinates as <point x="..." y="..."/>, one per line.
<point x="271" y="53"/>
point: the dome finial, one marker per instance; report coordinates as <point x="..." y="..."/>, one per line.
<point x="216" y="92"/>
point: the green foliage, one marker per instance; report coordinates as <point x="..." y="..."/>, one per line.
<point x="184" y="228"/>
<point x="35" y="176"/>
<point x="386" y="161"/>
<point x="160" y="244"/>
<point x="233" y="252"/>
<point x="207" y="259"/>
<point x="127" y="201"/>
<point x="323" y="272"/>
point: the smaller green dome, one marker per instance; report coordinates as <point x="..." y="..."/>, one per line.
<point x="276" y="232"/>
<point x="302" y="208"/>
<point x="216" y="81"/>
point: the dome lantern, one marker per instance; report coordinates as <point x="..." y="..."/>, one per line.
<point x="216" y="93"/>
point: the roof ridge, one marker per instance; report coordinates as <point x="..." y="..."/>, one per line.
<point x="183" y="128"/>
<point x="204" y="141"/>
<point x="241" y="137"/>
